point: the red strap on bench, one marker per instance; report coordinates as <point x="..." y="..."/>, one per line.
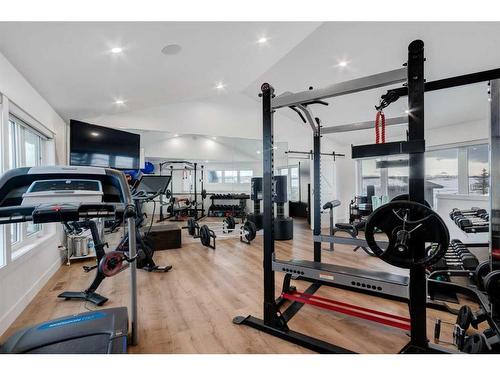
<point x="348" y="309"/>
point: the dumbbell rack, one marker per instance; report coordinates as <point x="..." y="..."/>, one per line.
<point x="475" y="220"/>
<point x="457" y="257"/>
<point x="222" y="210"/>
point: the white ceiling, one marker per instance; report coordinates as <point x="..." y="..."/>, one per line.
<point x="70" y="65"/>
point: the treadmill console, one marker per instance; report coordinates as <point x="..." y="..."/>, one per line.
<point x="63" y="191"/>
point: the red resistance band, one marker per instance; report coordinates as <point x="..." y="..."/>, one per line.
<point x="380" y="122"/>
<point x="352" y="310"/>
<point x="495" y="254"/>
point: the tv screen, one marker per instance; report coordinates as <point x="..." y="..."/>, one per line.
<point x="98" y="146"/>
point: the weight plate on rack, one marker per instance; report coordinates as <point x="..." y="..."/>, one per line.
<point x="492" y="284"/>
<point x="405" y="197"/>
<point x="401" y="222"/>
<point x="481" y="271"/>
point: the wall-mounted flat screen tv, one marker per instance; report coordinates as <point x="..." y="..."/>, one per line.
<point x="99" y="146"/>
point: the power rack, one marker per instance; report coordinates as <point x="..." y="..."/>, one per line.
<point x="274" y="321"/>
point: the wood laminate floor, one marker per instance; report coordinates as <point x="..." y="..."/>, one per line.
<point x="190" y="309"/>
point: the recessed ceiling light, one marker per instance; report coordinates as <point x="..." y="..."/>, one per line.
<point x="220" y="86"/>
<point x="206" y="161"/>
<point x="258" y="151"/>
<point x="171" y="49"/>
<point x="94" y="134"/>
<point x="214" y="138"/>
<point x="489" y="99"/>
<point x="176" y="135"/>
<point x="262" y="40"/>
<point x="119" y="101"/>
<point x="407" y="111"/>
<point x="116" y="50"/>
<point x="342" y="63"/>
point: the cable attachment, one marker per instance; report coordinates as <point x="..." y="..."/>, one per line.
<point x="385" y="100"/>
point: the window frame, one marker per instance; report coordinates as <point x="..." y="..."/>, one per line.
<point x="289" y="179"/>
<point x="462" y="170"/>
<point x="18" y="129"/>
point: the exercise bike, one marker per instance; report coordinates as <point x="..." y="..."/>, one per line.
<point x="146" y="190"/>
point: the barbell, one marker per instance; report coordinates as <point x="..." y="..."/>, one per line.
<point x="193" y="227"/>
<point x="247" y="233"/>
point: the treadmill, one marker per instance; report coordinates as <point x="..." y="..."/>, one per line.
<point x="63" y="194"/>
<point x="96" y="332"/>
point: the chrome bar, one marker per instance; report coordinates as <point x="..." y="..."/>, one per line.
<point x="403" y="120"/>
<point x="341" y="88"/>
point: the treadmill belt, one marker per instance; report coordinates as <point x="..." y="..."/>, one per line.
<point x="97" y="344"/>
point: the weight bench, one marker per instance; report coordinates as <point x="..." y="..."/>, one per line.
<point x="351" y="229"/>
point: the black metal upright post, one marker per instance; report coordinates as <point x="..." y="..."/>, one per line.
<point x="268" y="194"/>
<point x="418" y="290"/>
<point x="317" y="191"/>
<point x="202" y="188"/>
<point x="195" y="192"/>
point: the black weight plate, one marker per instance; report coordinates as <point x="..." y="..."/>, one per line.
<point x="481" y="271"/>
<point x="491" y="283"/>
<point x="230" y="223"/>
<point x="464" y="317"/>
<point x="191" y="227"/>
<point x="251" y="231"/>
<point x="205" y="235"/>
<point x="423" y="223"/>
<point x="474" y="344"/>
<point x="406" y="197"/>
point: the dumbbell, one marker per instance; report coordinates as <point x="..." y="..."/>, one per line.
<point x="473" y="211"/>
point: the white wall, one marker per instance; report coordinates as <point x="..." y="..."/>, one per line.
<point x="23" y="277"/>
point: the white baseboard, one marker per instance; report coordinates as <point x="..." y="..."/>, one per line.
<point x="10" y="316"/>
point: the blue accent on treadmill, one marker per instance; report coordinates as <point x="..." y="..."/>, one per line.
<point x="72" y="320"/>
<point x="125" y="344"/>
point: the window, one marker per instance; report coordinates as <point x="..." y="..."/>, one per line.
<point x="214" y="177"/>
<point x="478" y="169"/>
<point x="293" y="181"/>
<point x="458" y="170"/>
<point x="26" y="150"/>
<point x="294" y="184"/>
<point x="246" y="176"/>
<point x="397" y="177"/>
<point x="370" y="175"/>
<point x="441" y="173"/>
<point x="230" y="177"/>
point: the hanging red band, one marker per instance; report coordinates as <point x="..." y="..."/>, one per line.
<point x="380" y="127"/>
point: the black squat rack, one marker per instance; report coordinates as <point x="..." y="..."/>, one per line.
<point x="275" y="322"/>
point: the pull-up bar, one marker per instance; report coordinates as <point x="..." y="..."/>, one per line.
<point x="403" y="120"/>
<point x="338" y="89"/>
